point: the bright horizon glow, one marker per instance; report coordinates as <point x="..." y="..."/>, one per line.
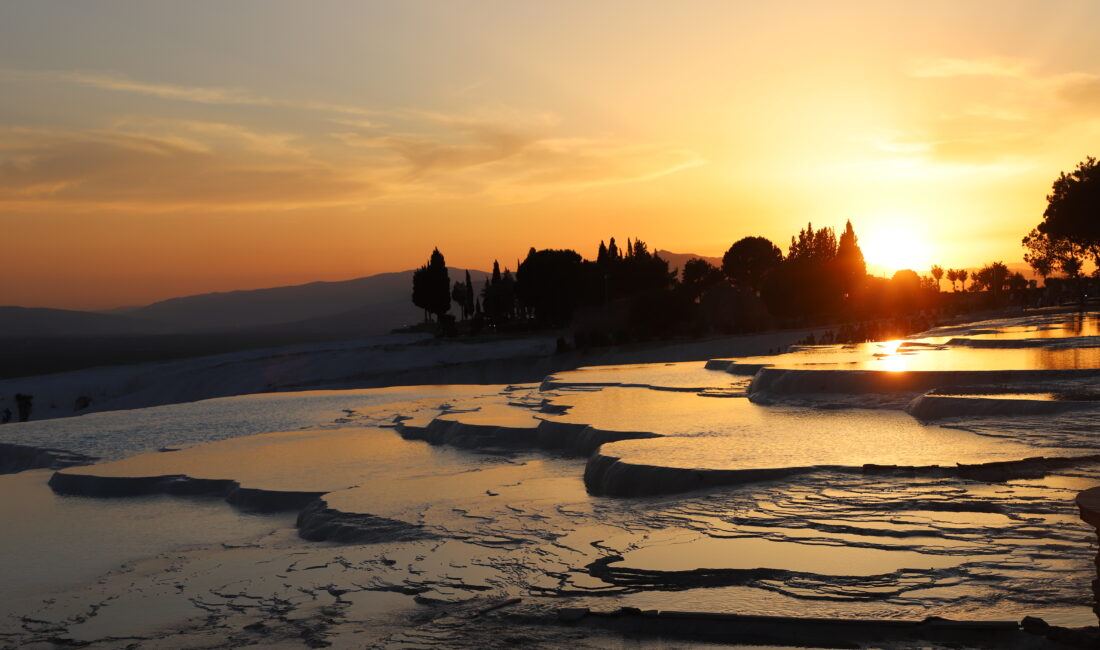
<point x="894" y="243"/>
<point x="154" y="150"/>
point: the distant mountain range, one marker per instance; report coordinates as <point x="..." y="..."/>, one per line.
<point x="676" y="261"/>
<point x="366" y="306"/>
<point x="380" y="302"/>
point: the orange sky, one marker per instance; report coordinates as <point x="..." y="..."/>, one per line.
<point x="149" y="151"/>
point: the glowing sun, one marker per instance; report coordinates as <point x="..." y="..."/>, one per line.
<point x="895" y="244"/>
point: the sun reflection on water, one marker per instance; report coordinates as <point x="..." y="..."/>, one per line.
<point x="892" y="359"/>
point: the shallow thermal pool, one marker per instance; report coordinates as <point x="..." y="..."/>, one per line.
<point x="1066" y="341"/>
<point x="688" y="376"/>
<point x="893" y="357"/>
<point x="403" y="524"/>
<point x="1046" y="326"/>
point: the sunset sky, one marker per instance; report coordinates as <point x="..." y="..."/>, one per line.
<point x="153" y="149"/>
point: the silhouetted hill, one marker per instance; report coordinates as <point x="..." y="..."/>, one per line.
<point x="55" y="340"/>
<point x="43" y="322"/>
<point x="676" y="261"/>
<point x="371" y="305"/>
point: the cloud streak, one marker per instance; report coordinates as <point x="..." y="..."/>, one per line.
<point x="117" y="169"/>
<point x="178" y="164"/>
<point x="194" y="94"/>
<point x="157" y="163"/>
<point x="1004" y="117"/>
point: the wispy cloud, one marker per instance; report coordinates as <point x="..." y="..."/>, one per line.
<point x="153" y="167"/>
<point x="154" y="162"/>
<point x="194" y="94"/>
<point x="1016" y="114"/>
<point x="1081" y="90"/>
<point x="119" y="169"/>
<point x="204" y="135"/>
<point x="895" y="142"/>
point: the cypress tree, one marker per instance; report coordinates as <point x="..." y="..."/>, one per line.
<point x="468" y="303"/>
<point x="432" y="286"/>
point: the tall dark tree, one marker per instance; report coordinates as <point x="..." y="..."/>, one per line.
<point x="641" y="272"/>
<point x="499" y="295"/>
<point x="1046" y="254"/>
<point x="432" y="286"/>
<point x="818" y="245"/>
<point x="850" y="265"/>
<point x="1070" y="229"/>
<point x="748" y="260"/>
<point x="807" y="285"/>
<point x="468" y="299"/>
<point x="613" y="250"/>
<point x="506" y="295"/>
<point x="549" y="282"/>
<point x="489" y="296"/>
<point x="697" y="276"/>
<point x="458" y="295"/>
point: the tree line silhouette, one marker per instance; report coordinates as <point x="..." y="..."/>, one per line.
<point x="631" y="293"/>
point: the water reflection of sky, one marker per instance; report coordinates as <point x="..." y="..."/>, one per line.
<point x="894" y="357"/>
<point x="1042" y="326"/>
<point x="687" y="374"/>
<point x="1065" y="325"/>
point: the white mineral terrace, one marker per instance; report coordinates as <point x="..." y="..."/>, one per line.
<point x="934" y="476"/>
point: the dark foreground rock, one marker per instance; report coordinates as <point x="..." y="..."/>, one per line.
<point x="17" y="458"/>
<point x="251" y="499"/>
<point x="829" y="632"/>
<point x="994" y="472"/>
<point x="317" y="523"/>
<point x="568" y="438"/>
<point x="611" y="476"/>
